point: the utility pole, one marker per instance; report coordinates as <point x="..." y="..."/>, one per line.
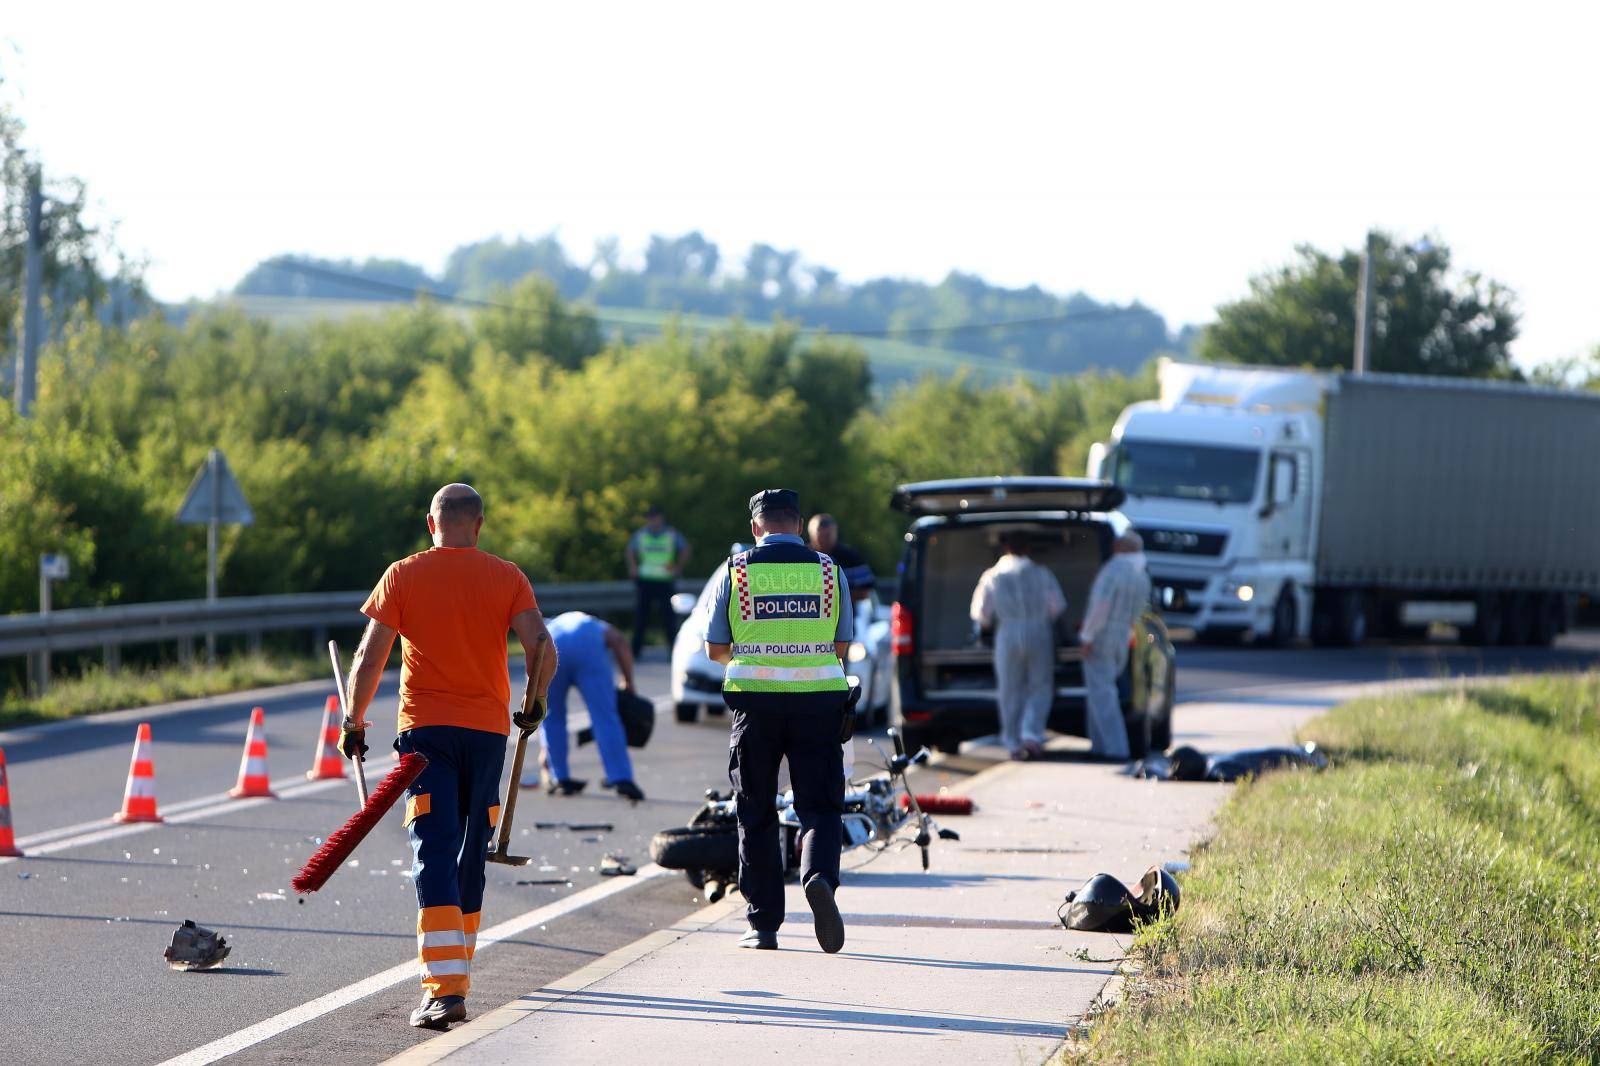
<point x="1364" y="309"/>
<point x="26" y="385"/>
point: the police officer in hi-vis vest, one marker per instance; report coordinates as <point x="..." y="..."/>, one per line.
<point x="656" y="555"/>
<point x="782" y="623"/>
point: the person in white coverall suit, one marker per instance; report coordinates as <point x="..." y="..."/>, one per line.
<point x="1120" y="592"/>
<point x="1021" y="600"/>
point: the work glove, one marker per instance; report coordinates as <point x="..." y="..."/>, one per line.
<point x="352" y="740"/>
<point x="534" y="708"/>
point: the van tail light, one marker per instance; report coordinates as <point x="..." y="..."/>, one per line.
<point x="901" y="629"/>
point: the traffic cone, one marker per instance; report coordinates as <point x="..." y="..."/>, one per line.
<point x="139" y="798"/>
<point x="329" y="763"/>
<point x="253" y="763"/>
<point x="8" y="842"/>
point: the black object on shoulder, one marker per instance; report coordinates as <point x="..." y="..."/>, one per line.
<point x="1104" y="904"/>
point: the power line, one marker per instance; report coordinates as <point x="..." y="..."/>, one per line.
<point x="292" y="266"/>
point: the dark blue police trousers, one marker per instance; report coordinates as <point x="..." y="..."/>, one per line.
<point x="810" y="740"/>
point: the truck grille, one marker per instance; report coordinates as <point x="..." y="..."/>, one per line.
<point x="1182" y="541"/>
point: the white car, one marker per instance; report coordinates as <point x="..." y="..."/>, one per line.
<point x="697" y="681"/>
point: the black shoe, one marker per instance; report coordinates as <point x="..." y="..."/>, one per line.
<point x="439" y="1013"/>
<point x="825" y="914"/>
<point x="570" y="787"/>
<point x="628" y="791"/>
<point x="762" y="939"/>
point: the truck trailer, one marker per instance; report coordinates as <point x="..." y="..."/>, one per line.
<point x="1280" y="504"/>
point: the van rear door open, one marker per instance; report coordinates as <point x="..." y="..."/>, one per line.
<point x="950" y="559"/>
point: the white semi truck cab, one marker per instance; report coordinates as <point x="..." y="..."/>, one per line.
<point x="1221" y="475"/>
<point x="1286" y="503"/>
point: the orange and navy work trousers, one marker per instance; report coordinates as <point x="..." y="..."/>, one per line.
<point x="451" y="812"/>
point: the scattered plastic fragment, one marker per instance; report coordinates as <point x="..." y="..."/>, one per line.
<point x="578" y="827"/>
<point x="617" y="866"/>
<point x="271" y="895"/>
<point x="195" y="947"/>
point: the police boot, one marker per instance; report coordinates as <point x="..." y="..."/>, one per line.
<point x="439" y="1013"/>
<point x="761" y="939"/>
<point x="825" y="914"/>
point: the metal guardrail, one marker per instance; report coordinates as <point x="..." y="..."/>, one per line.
<point x="182" y="621"/>
<point x="112" y="628"/>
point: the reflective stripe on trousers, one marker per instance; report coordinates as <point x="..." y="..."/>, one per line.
<point x="442" y="951"/>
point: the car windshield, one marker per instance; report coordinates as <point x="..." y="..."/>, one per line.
<point x="1187" y="471"/>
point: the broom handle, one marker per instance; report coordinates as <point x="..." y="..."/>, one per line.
<point x="344" y="710"/>
<point x="515" y="784"/>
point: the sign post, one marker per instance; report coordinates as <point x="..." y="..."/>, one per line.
<point x="51" y="568"/>
<point x="214" y="499"/>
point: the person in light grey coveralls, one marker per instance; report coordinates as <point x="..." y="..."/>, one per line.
<point x="1021" y="600"/>
<point x="1120" y="592"/>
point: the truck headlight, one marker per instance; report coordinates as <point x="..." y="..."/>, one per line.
<point x="1243" y="593"/>
<point x="857" y="652"/>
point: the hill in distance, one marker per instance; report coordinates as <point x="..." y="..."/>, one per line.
<point x="907" y="327"/>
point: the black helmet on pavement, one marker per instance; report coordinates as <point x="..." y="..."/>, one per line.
<point x="1103" y="904"/>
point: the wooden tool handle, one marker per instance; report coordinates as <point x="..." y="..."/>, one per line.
<point x="344" y="710"/>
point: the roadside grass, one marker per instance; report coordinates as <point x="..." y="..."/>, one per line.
<point x="1431" y="897"/>
<point x="99" y="690"/>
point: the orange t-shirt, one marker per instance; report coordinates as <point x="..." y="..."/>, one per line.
<point x="453" y="607"/>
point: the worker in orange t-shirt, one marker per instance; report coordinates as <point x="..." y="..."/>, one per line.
<point x="453" y="605"/>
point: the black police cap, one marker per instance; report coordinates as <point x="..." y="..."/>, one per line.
<point x="774" y="500"/>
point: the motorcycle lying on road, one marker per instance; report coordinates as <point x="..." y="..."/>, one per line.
<point x="875" y="810"/>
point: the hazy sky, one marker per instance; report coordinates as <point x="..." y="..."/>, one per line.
<point x="1156" y="151"/>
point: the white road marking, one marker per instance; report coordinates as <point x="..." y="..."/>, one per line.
<point x="102" y="829"/>
<point x="194" y="810"/>
<point x="262" y="1031"/>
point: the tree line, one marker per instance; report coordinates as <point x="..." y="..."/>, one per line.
<point x="339" y="432"/>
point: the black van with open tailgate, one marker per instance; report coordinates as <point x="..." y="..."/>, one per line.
<point x="944" y="690"/>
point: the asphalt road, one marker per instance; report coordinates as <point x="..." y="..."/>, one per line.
<point x="84" y="919"/>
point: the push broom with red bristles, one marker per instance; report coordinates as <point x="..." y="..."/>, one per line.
<point x="342" y="841"/>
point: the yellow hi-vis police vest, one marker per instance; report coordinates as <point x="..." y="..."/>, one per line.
<point x="656" y="551"/>
<point x="784" y="617"/>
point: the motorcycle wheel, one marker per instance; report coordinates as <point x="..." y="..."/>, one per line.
<point x="711" y="849"/>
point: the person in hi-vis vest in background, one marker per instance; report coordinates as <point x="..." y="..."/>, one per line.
<point x="656" y="555"/>
<point x="781" y="622"/>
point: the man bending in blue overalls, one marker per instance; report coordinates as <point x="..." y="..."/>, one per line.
<point x="588" y="650"/>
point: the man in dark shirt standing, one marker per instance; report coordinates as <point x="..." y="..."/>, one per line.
<point x="824" y="533"/>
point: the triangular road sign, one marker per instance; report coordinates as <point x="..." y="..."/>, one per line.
<point x="215" y="490"/>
